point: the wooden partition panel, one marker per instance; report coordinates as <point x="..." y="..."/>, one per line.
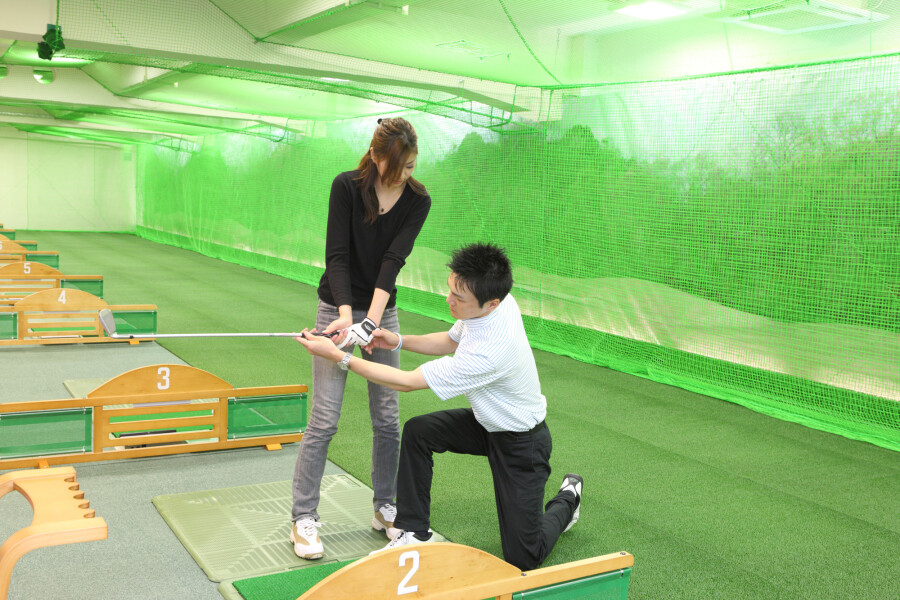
<point x="447" y="571"/>
<point x="154" y="411"/>
<point x="62" y="316"/>
<point x="23" y="278"/>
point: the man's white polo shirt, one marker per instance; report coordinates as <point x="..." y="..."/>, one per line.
<point x="493" y="366"/>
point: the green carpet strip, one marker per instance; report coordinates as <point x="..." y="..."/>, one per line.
<point x="287" y="585"/>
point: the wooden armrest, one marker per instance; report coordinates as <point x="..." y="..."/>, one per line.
<point x="61" y="516"/>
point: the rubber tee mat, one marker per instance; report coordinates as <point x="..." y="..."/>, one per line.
<point x="238" y="532"/>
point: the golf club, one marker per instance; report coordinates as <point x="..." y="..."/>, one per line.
<point x="108" y="322"/>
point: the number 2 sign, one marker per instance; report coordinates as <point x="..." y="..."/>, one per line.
<point x="404" y="588"/>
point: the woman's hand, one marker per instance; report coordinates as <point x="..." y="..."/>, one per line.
<point x="339" y="325"/>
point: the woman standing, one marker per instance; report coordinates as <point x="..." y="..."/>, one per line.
<point x="375" y="214"/>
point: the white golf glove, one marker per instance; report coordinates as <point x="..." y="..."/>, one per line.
<point x="359" y="334"/>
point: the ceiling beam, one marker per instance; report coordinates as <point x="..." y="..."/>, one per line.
<point x="342" y="13"/>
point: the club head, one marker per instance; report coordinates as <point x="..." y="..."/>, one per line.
<point x="108" y="322"/>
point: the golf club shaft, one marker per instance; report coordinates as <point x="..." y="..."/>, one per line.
<point x="149" y="336"/>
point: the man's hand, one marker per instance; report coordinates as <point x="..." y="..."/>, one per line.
<point x="382" y="338"/>
<point x="359" y="334"/>
<point x="318" y="345"/>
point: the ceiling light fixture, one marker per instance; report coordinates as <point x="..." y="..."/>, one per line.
<point x="652" y="10"/>
<point x="43" y="76"/>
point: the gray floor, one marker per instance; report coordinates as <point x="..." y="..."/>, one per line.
<point x="39" y="372"/>
<point x="142" y="557"/>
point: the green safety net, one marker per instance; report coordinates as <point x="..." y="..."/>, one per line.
<point x="737" y="235"/>
<point x="734" y="232"/>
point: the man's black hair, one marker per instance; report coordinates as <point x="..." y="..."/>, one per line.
<point x="484" y="270"/>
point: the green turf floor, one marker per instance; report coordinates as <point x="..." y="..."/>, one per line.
<point x="714" y="500"/>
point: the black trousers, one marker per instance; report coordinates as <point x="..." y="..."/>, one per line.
<point x="520" y="464"/>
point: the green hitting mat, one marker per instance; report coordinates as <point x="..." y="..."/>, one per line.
<point x="238" y="532"/>
<point x="287" y="585"/>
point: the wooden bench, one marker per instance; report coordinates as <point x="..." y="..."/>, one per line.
<point x="69" y="316"/>
<point x="11" y="252"/>
<point x="151" y="411"/>
<point x="61" y="516"/>
<point x="21" y="279"/>
<point x="446" y="571"/>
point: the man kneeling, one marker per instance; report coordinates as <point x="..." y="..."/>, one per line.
<point x="486" y="357"/>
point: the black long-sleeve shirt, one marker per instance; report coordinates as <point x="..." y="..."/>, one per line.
<point x="360" y="257"/>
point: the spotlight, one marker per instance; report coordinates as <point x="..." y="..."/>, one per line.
<point x="43" y="75"/>
<point x="52" y="43"/>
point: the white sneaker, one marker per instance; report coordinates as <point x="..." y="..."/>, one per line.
<point x="305" y="538"/>
<point x="406" y="538"/>
<point x="384" y="520"/>
<point x="573" y="483"/>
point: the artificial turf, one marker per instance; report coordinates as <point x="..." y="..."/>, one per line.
<point x="714" y="500"/>
<point x="287" y="585"/>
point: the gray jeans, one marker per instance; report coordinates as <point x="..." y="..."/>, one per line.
<point x="327" y="396"/>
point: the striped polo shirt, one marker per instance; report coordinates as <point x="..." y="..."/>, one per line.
<point x="493" y="366"/>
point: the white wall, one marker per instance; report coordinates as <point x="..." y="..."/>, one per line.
<point x="63" y="185"/>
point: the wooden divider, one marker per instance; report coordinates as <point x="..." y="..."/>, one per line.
<point x="11" y="252"/>
<point x="62" y="316"/>
<point x="21" y="279"/>
<point x="446" y="571"/>
<point x="27" y="244"/>
<point x="146" y="402"/>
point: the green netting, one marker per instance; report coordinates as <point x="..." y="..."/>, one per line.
<point x="694" y="219"/>
<point x="737" y="234"/>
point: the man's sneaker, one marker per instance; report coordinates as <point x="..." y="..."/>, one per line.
<point x="573" y="483"/>
<point x="305" y="538"/>
<point x="405" y="538"/>
<point x="384" y="520"/>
